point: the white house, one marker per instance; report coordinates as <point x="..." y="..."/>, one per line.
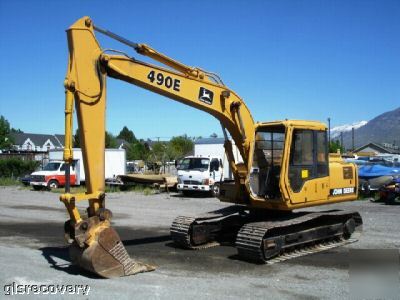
<point x="34" y="142"/>
<point x="37" y="142"/>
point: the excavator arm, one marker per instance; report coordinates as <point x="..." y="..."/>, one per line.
<point x="85" y="86"/>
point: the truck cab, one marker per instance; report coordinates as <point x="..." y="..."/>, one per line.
<point x="53" y="175"/>
<point x="200" y="173"/>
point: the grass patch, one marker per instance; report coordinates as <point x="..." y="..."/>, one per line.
<point x="73" y="190"/>
<point x="112" y="189"/>
<point x="139" y="188"/>
<point x="82" y="189"/>
<point x="148" y="191"/>
<point x="143" y="189"/>
<point x="8" y="181"/>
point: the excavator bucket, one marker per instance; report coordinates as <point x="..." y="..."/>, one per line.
<point x="98" y="248"/>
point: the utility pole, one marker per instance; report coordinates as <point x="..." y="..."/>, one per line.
<point x="352" y="139"/>
<point x="329" y="131"/>
<point x="341" y="140"/>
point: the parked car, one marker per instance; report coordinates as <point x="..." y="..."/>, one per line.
<point x="390" y="192"/>
<point x="25" y="180"/>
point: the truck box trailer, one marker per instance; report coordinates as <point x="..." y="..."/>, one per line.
<point x="53" y="174"/>
<point x="115" y="161"/>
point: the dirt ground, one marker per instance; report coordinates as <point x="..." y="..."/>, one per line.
<point x="33" y="251"/>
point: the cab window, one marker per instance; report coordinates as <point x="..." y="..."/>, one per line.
<point x="302" y="148"/>
<point x="51" y="166"/>
<point x="64" y="167"/>
<point x="308" y="157"/>
<point x="322" y="154"/>
<point x="214" y="165"/>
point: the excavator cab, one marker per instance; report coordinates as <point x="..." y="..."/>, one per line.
<point x="289" y="156"/>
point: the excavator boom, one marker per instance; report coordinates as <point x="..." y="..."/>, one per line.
<point x="85" y="85"/>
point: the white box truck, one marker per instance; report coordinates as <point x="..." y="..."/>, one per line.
<point x="53" y="174"/>
<point x="208" y="166"/>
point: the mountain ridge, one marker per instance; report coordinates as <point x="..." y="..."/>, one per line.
<point x="384" y="128"/>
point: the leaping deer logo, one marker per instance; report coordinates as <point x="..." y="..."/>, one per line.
<point x="206" y="95"/>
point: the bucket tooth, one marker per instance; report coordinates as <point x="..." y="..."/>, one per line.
<point x="103" y="253"/>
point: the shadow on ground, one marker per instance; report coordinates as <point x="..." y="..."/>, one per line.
<point x="383" y="202"/>
<point x="154" y="246"/>
<point x="191" y="195"/>
<point x="52" y="253"/>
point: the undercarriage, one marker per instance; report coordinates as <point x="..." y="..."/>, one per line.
<point x="267" y="236"/>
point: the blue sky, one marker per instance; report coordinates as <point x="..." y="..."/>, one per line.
<point x="286" y="59"/>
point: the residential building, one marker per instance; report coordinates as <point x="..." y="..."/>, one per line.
<point x="33" y="142"/>
<point x="376" y="149"/>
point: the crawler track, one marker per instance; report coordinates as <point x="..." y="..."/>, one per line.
<point x="206" y="230"/>
<point x="310" y="249"/>
<point x="274" y="241"/>
<point x="278" y="239"/>
<point x="180" y="234"/>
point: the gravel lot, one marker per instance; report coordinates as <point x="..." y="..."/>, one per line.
<point x="33" y="251"/>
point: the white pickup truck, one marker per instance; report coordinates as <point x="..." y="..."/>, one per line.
<point x="200" y="173"/>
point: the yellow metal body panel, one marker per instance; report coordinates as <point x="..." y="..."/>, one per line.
<point x="84" y="82"/>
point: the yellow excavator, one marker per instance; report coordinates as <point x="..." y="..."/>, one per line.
<point x="286" y="166"/>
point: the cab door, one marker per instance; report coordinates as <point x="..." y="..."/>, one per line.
<point x="216" y="169"/>
<point x="308" y="166"/>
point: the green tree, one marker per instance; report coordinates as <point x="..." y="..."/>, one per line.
<point x="179" y="146"/>
<point x="159" y="151"/>
<point x="334" y="146"/>
<point x="6" y="140"/>
<point x="76" y="141"/>
<point x="111" y="140"/>
<point x="137" y="151"/>
<point x="158" y="155"/>
<point x="127" y="135"/>
<point x="14" y="167"/>
<point x="214" y="135"/>
<point x="14" y="130"/>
